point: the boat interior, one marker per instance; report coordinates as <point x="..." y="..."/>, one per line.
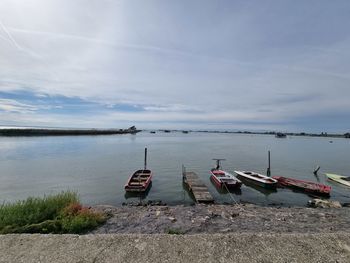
<point x="260" y="177"/>
<point x="140" y="177"/>
<point x="218" y="173"/>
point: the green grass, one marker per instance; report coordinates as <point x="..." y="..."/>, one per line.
<point x="60" y="213"/>
<point x="174" y="231"/>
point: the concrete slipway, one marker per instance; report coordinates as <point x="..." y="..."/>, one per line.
<point x="249" y="247"/>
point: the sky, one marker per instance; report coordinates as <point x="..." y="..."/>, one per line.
<point x="275" y="65"/>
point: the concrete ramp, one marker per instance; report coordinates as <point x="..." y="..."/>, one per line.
<point x="176" y="248"/>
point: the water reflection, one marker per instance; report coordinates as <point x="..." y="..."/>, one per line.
<point x="224" y="190"/>
<point x="187" y="190"/>
<point x="138" y="195"/>
<point x="260" y="189"/>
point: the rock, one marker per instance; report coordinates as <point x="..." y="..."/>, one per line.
<point x="158" y="213"/>
<point x="234" y="214"/>
<point x="172" y="219"/>
<point x="324" y="203"/>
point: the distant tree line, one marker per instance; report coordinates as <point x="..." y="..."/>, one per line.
<point x="64" y="132"/>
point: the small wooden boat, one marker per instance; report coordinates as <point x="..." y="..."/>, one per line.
<point x="140" y="180"/>
<point x="258" y="179"/>
<point x="305" y="186"/>
<point x="345" y="180"/>
<point x="222" y="178"/>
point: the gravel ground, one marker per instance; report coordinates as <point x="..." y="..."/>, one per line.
<point x="223" y="219"/>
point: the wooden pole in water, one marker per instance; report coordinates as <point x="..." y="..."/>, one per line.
<point x="145" y="158"/>
<point x="269" y="168"/>
<point x="145" y="167"/>
<point x="316" y="170"/>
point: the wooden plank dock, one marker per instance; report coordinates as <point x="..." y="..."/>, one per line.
<point x="197" y="187"/>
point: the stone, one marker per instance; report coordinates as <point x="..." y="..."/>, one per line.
<point x="319" y="203"/>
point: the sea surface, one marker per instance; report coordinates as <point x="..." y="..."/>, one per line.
<point x="97" y="167"/>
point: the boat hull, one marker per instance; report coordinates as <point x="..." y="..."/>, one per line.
<point x="257" y="179"/>
<point x="304" y="186"/>
<point x="223" y="179"/>
<point x="338" y="178"/>
<point x="139" y="181"/>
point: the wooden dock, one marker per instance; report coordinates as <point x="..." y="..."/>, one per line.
<point x="197" y="187"/>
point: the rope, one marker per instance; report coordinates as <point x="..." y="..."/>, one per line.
<point x="231" y="195"/>
<point x="234" y="200"/>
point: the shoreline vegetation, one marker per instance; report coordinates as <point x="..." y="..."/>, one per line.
<point x="322" y="134"/>
<point x="64" y="132"/>
<point x="58" y="214"/>
<point x="62" y="213"/>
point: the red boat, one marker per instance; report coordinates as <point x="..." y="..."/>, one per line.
<point x="224" y="179"/>
<point x="140" y="180"/>
<point x="305" y="186"/>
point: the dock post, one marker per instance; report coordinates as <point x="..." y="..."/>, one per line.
<point x="269" y="168"/>
<point x="183" y="172"/>
<point x="316" y="170"/>
<point x="145" y="159"/>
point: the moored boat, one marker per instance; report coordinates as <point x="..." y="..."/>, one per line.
<point x="305" y="186"/>
<point x="223" y="179"/>
<point x="345" y="180"/>
<point x="258" y="179"/>
<point x="140" y="180"/>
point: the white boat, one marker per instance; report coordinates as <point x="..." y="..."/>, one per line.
<point x="258" y="179"/>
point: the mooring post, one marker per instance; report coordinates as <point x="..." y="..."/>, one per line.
<point x="145" y="158"/>
<point x="269" y="168"/>
<point x="316" y="170"/>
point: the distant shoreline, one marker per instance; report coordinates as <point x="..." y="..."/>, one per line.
<point x="323" y="134"/>
<point x="132" y="130"/>
<point x="64" y="132"/>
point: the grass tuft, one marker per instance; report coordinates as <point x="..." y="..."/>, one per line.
<point x="174" y="231"/>
<point x="60" y="213"/>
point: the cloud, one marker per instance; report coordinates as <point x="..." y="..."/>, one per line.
<point x="200" y="62"/>
<point x="15" y="106"/>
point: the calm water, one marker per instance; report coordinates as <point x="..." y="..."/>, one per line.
<point x="97" y="167"/>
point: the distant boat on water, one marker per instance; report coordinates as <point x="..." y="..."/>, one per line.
<point x="152" y="132"/>
<point x="280" y="135"/>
